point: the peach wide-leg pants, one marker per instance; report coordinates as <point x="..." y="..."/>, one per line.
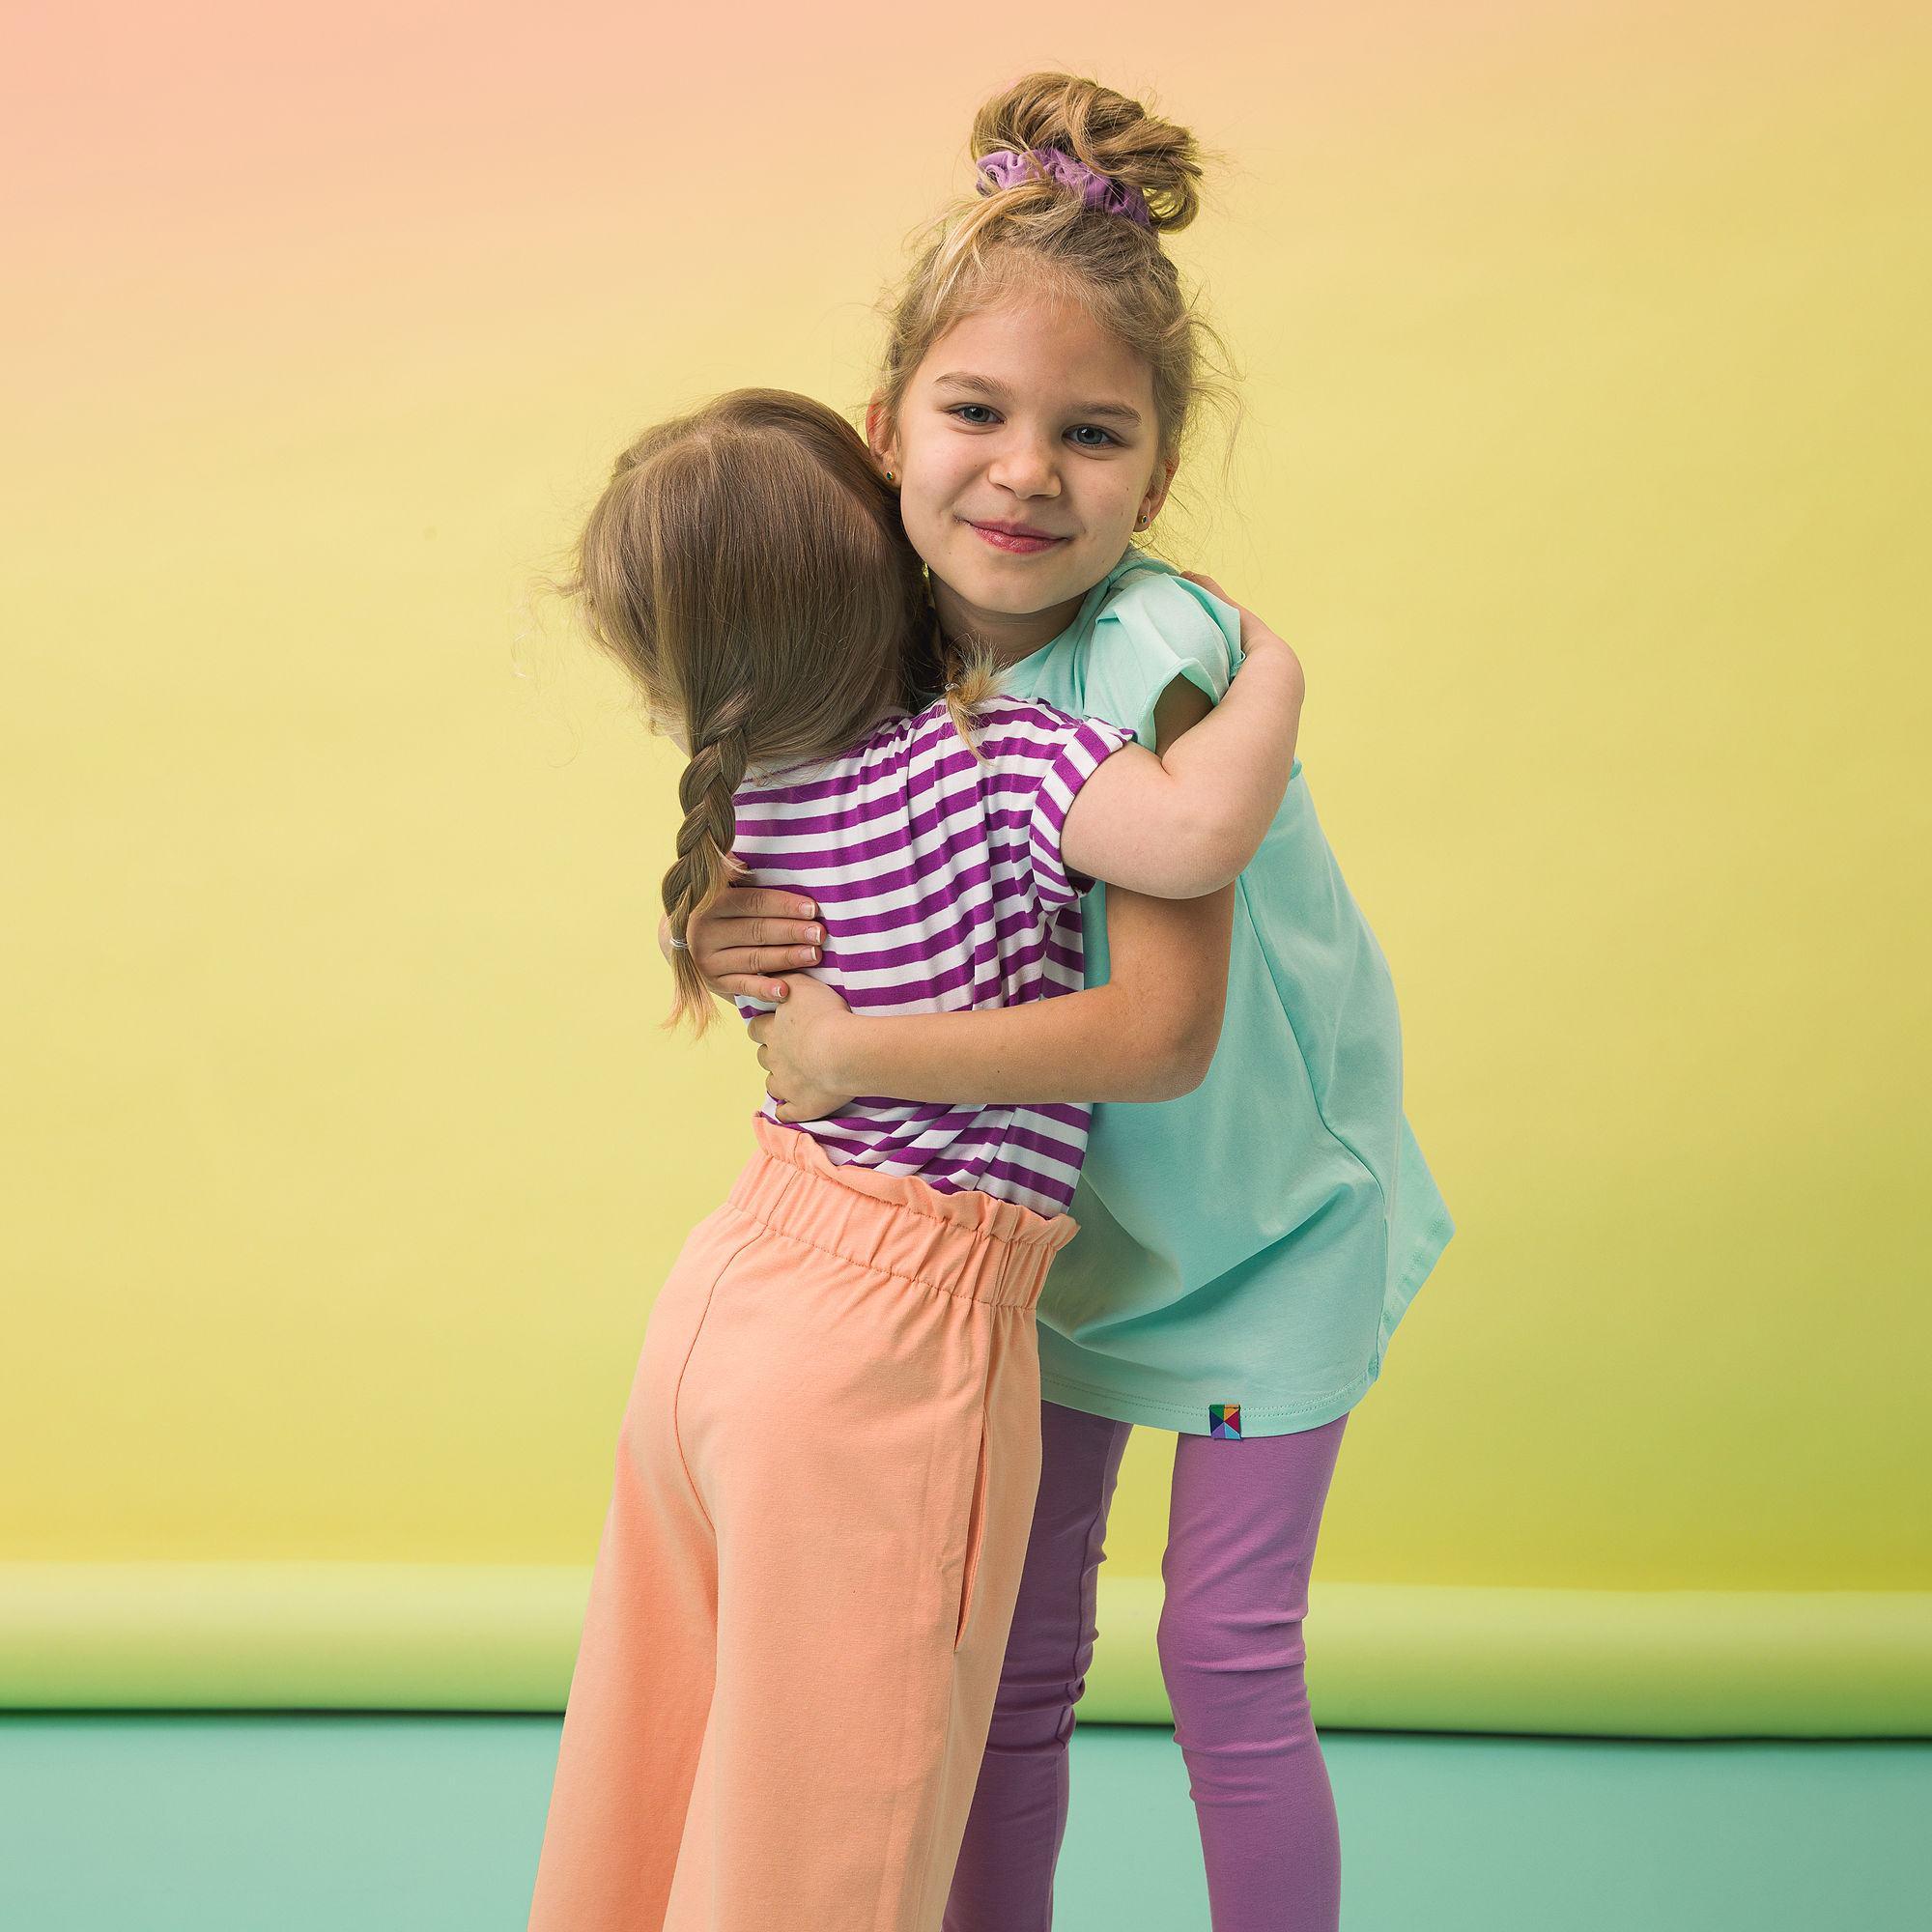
<point x="825" y="1480"/>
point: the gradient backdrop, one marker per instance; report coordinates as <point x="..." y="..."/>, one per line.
<point x="1584" y="461"/>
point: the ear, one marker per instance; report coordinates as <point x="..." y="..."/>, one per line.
<point x="880" y="433"/>
<point x="1158" y="487"/>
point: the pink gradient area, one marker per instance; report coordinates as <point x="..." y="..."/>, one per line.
<point x="226" y="111"/>
<point x="131" y="115"/>
<point x="228" y="182"/>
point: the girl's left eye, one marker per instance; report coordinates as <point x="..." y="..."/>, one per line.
<point x="1106" y="436"/>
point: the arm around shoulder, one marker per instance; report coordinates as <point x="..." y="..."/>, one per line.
<point x="1148" y="1034"/>
<point x="1186" y="822"/>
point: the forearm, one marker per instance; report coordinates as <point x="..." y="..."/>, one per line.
<point x="1148" y="1034"/>
<point x="1101" y="1045"/>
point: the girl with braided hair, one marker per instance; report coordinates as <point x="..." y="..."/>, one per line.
<point x="1246" y="1250"/>
<point x="826" y="1469"/>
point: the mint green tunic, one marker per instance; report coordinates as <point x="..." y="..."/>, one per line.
<point x="1254" y="1244"/>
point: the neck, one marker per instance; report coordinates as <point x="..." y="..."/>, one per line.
<point x="1008" y="635"/>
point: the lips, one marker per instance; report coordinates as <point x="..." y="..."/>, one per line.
<point x="1015" y="539"/>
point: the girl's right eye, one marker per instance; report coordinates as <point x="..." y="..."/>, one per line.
<point x="985" y="415"/>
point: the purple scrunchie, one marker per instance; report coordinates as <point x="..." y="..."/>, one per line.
<point x="1006" y="169"/>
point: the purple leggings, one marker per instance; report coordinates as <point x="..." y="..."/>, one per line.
<point x="1241" y="1528"/>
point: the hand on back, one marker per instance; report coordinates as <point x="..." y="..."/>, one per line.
<point x="797" y="1047"/>
<point x="749" y="933"/>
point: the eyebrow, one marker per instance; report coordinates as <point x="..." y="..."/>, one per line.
<point x="980" y="385"/>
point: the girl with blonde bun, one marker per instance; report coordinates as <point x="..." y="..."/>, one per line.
<point x="1246" y="1250"/>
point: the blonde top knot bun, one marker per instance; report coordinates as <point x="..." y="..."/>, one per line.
<point x="1030" y="230"/>
<point x="1103" y="130"/>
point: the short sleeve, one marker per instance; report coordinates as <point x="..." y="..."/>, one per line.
<point x="1153" y="628"/>
<point x="1086" y="744"/>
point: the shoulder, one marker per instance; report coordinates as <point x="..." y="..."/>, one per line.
<point x="1022" y="719"/>
<point x="1014" y="742"/>
<point x="1155" y="628"/>
<point x="1167" y="614"/>
<point x="890" y="745"/>
<point x="1021" y="749"/>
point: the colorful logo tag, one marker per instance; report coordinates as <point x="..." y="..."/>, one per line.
<point x="1224" y="1419"/>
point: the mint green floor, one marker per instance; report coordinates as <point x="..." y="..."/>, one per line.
<point x="292" y="1824"/>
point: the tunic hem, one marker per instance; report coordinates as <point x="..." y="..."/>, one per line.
<point x="1148" y="1414"/>
<point x="1191" y="1419"/>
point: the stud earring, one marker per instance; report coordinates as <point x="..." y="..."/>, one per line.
<point x="889" y="475"/>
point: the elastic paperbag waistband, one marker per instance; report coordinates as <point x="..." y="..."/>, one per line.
<point x="968" y="1245"/>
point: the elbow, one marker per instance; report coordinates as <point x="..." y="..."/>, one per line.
<point x="1298" y="693"/>
<point x="1178" y="1063"/>
<point x="1213" y="846"/>
<point x="1173" y="1079"/>
<point x="1207" y="859"/>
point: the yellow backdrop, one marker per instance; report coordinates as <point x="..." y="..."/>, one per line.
<point x="1583" y="457"/>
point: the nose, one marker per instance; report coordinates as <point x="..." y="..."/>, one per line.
<point x="1025" y="464"/>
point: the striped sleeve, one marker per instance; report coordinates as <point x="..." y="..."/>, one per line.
<point x="1086" y="745"/>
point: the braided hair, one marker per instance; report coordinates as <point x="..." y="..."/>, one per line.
<point x="746" y="566"/>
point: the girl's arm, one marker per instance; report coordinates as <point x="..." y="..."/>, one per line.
<point x="1185" y="820"/>
<point x="750" y="936"/>
<point x="1148" y="1034"/>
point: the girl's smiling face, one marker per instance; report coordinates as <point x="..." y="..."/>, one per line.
<point x="1026" y="450"/>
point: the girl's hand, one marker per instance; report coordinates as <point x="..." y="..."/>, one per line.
<point x="1185" y="819"/>
<point x="746" y="935"/>
<point x="797" y="1047"/>
<point x="1252" y="630"/>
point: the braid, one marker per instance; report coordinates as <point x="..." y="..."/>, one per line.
<point x="704" y="862"/>
<point x="748" y="567"/>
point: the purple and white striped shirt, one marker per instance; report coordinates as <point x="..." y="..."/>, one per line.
<point x="940" y="885"/>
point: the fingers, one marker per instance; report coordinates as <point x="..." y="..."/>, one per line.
<point x="775" y="933"/>
<point x="1251" y="625"/>
<point x="765" y="958"/>
<point x="803" y="1107"/>
<point x="1213" y="589"/>
<point x="748" y="986"/>
<point x="761" y="902"/>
